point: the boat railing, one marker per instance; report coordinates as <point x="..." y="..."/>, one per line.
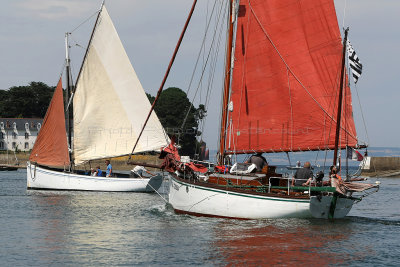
<point x="310" y="188"/>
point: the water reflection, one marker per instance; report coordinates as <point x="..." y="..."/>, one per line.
<point x="74" y="225"/>
<point x="282" y="242"/>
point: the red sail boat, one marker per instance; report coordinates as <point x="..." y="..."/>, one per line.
<point x="285" y="91"/>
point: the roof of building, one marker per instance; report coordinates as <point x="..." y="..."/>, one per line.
<point x="20" y="123"/>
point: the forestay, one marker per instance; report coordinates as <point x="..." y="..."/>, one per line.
<point x="110" y="105"/>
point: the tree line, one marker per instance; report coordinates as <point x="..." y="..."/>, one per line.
<point x="174" y="110"/>
<point x="180" y="119"/>
<point x="30" y="101"/>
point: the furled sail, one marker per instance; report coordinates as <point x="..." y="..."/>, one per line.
<point x="286" y="77"/>
<point x="51" y="147"/>
<point x="110" y="105"/>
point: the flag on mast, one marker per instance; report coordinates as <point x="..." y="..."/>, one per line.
<point x="355" y="63"/>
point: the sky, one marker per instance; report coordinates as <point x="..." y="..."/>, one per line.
<point x="32" y="49"/>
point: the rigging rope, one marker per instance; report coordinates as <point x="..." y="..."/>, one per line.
<point x="362" y="114"/>
<point x="213" y="66"/>
<point x="165" y="76"/>
<point x="344" y="12"/>
<point x="201" y="48"/>
<point x="86" y="20"/>
<point x="155" y="190"/>
<point x="205" y="63"/>
<point x="62" y="71"/>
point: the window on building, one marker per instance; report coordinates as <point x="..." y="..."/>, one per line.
<point x="26" y="136"/>
<point x="1" y="145"/>
<point x="1" y="135"/>
<point x="26" y="145"/>
<point x="14" y="145"/>
<point x="14" y="135"/>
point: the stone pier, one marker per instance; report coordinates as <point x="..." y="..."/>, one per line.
<point x="381" y="166"/>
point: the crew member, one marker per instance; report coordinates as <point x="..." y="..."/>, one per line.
<point x="109" y="169"/>
<point x="138" y="171"/>
<point x="302" y="175"/>
<point x="258" y="160"/>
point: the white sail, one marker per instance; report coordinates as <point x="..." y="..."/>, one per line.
<point x="110" y="105"/>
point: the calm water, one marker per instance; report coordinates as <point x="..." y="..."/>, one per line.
<point x="42" y="228"/>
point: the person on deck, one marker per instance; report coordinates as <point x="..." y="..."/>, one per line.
<point x="334" y="178"/>
<point x="139" y="170"/>
<point x="109" y="169"/>
<point x="99" y="172"/>
<point x="258" y="160"/>
<point x="303" y="176"/>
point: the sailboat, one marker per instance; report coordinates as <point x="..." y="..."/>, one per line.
<point x="285" y="90"/>
<point x="104" y="113"/>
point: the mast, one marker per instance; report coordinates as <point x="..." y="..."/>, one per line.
<point x="225" y="100"/>
<point x="71" y="89"/>
<point x="339" y="112"/>
<point x="69" y="111"/>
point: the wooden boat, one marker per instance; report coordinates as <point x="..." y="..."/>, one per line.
<point x="105" y="112"/>
<point x="285" y="91"/>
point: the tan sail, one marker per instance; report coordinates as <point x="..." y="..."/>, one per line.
<point x="110" y="105"/>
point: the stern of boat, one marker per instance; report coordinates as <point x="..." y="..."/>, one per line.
<point x="330" y="207"/>
<point x="154" y="183"/>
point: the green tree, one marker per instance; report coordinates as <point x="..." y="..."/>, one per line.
<point x="171" y="109"/>
<point x="26" y="101"/>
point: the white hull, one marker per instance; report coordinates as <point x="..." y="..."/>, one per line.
<point x="41" y="178"/>
<point x="205" y="201"/>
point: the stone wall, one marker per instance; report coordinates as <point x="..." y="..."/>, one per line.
<point x="382" y="166"/>
<point x="117" y="163"/>
<point x="22" y="158"/>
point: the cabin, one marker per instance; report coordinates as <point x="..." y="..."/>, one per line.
<point x="18" y="134"/>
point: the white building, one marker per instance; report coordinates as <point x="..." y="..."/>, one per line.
<point x="19" y="134"/>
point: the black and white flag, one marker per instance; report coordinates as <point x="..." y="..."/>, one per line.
<point x="355" y="63"/>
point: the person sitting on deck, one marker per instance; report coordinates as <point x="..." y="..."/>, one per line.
<point x="99" y="172"/>
<point x="303" y="176"/>
<point x="93" y="172"/>
<point x="258" y="160"/>
<point x="109" y="169"/>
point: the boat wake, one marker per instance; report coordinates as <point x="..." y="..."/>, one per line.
<point x="160" y="210"/>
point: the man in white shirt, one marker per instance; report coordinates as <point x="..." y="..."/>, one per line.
<point x="139" y="170"/>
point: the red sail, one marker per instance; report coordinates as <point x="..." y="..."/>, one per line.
<point x="51" y="146"/>
<point x="286" y="77"/>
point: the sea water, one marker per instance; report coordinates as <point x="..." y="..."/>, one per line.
<point x="60" y="228"/>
